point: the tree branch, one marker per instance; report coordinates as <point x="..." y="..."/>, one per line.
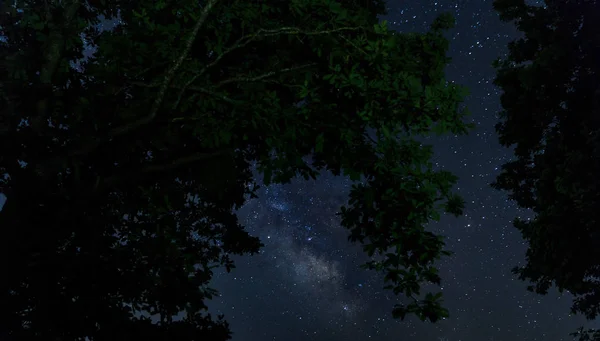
<point x="187" y="87"/>
<point x="240" y="79"/>
<point x="162" y="91"/>
<point x="263" y="33"/>
<point x="169" y="77"/>
<point x="355" y="46"/>
<point x="243" y="41"/>
<point x="263" y="76"/>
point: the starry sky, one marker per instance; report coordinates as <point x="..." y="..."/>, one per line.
<point x="307" y="283"/>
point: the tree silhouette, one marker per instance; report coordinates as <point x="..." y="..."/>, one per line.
<point x="551" y="114"/>
<point x="122" y="175"/>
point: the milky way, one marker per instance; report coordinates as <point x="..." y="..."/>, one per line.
<point x="307" y="285"/>
<point x="298" y="241"/>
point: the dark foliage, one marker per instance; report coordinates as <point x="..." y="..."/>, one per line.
<point x="122" y="174"/>
<point x="551" y="115"/>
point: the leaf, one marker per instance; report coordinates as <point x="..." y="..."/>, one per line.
<point x="319" y="143"/>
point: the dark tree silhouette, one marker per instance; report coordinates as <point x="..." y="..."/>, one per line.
<point x="121" y="175"/>
<point x="551" y="115"/>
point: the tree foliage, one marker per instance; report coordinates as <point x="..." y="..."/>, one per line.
<point x="122" y="173"/>
<point x="551" y="114"/>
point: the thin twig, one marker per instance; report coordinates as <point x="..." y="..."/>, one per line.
<point x="264" y="75"/>
<point x="263" y="33"/>
<point x="186" y="87"/>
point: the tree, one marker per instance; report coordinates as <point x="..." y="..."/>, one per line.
<point x="551" y="114"/>
<point x="122" y="174"/>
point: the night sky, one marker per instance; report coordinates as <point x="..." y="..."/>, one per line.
<point x="307" y="284"/>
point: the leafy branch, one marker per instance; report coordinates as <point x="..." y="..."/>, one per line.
<point x="241" y="79"/>
<point x="162" y="91"/>
<point x="263" y="33"/>
<point x="241" y="42"/>
<point x="169" y="76"/>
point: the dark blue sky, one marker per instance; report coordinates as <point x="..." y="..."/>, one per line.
<point x="307" y="285"/>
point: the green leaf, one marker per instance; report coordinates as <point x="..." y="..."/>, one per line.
<point x="319" y="143"/>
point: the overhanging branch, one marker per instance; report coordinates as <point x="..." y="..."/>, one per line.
<point x="243" y="41"/>
<point x="169" y="77"/>
<point x="162" y="91"/>
<point x="242" y="79"/>
<point x="263" y="33"/>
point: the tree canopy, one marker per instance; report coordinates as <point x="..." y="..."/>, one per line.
<point x="122" y="174"/>
<point x="551" y="115"/>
